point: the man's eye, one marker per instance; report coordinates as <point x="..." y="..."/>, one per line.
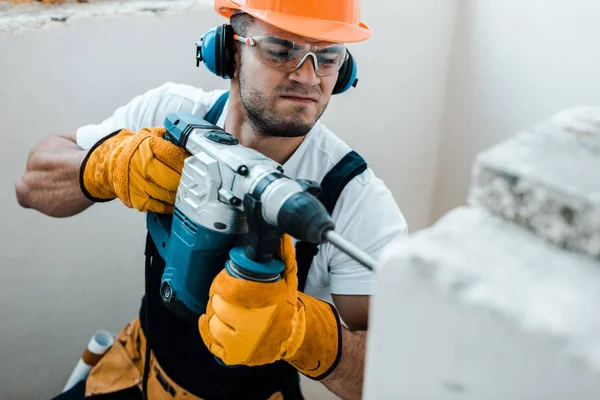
<point x="327" y="61"/>
<point x="282" y="54"/>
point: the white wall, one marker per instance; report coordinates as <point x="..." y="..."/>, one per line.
<point x="514" y="63"/>
<point x="62" y="279"/>
<point x="402" y="75"/>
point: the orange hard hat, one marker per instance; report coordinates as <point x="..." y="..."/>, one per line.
<point x="328" y="20"/>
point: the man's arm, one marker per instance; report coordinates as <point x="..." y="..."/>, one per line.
<point x="50" y="183"/>
<point x="346" y="380"/>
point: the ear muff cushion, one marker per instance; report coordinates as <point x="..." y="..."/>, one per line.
<point x="228" y="51"/>
<point x="224" y="51"/>
<point x="219" y="51"/>
<point x="346" y="76"/>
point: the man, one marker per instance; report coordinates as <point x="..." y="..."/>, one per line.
<point x="285" y="63"/>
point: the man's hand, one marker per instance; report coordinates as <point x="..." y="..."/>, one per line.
<point x="50" y="183"/>
<point x="143" y="170"/>
<point x="253" y="323"/>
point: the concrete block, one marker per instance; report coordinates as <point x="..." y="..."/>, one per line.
<point x="477" y="307"/>
<point x="547" y="179"/>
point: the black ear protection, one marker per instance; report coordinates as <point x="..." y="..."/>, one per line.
<point x="215" y="49"/>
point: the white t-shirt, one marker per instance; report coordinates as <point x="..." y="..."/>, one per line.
<point x="365" y="213"/>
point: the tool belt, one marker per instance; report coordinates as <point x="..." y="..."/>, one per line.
<point x="122" y="368"/>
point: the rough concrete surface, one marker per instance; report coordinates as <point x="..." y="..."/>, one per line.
<point x="481" y="307"/>
<point x="547" y="179"/>
<point x="35" y="15"/>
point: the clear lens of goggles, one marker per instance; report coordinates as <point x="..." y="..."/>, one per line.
<point x="287" y="56"/>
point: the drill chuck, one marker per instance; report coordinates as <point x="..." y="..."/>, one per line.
<point x="304" y="217"/>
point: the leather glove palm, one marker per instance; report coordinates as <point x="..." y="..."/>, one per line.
<point x="254" y="323"/>
<point x="141" y="169"/>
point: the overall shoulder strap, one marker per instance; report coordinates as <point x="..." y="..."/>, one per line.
<point x="215" y="112"/>
<point x="351" y="165"/>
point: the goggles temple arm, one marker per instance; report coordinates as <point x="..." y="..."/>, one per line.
<point x="248" y="41"/>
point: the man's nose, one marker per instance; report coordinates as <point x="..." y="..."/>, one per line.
<point x="306" y="74"/>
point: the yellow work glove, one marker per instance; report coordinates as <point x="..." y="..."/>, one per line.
<point x="141" y="169"/>
<point x="253" y="323"/>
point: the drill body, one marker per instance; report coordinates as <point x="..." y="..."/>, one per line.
<point x="232" y="206"/>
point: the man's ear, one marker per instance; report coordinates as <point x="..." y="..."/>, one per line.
<point x="236" y="61"/>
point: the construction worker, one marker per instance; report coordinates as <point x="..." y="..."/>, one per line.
<point x="285" y="59"/>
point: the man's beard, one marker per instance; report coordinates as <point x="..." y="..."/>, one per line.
<point x="261" y="115"/>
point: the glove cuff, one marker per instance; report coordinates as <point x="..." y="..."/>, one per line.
<point x="94" y="167"/>
<point x="321" y="349"/>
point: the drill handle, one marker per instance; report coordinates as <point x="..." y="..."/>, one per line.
<point x="159" y="227"/>
<point x="179" y="126"/>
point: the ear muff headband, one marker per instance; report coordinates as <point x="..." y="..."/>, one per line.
<point x="215" y="49"/>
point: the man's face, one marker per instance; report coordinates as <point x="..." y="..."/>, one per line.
<point x="279" y="103"/>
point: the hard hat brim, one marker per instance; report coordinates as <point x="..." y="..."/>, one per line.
<point x="318" y="29"/>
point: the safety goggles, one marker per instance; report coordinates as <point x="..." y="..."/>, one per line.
<point x="287" y="56"/>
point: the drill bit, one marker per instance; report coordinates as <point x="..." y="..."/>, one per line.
<point x="350" y="249"/>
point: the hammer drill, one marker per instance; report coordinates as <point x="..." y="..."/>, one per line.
<point x="232" y="206"/>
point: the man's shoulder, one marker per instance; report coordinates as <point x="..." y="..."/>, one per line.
<point x="156" y="103"/>
<point x="365" y="190"/>
<point x="328" y="145"/>
<point x="319" y="153"/>
<point x="331" y="149"/>
<point x="150" y="109"/>
<point x="185" y="93"/>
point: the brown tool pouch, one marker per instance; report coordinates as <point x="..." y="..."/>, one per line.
<point x="122" y="367"/>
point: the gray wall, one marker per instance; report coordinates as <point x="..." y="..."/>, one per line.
<point x="62" y="279"/>
<point x="513" y="64"/>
